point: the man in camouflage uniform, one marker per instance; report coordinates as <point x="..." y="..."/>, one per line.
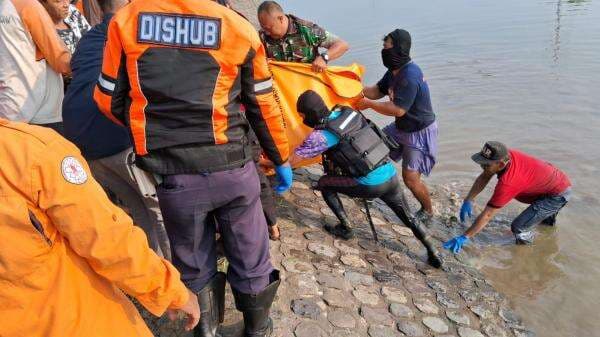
<point x="288" y="38"/>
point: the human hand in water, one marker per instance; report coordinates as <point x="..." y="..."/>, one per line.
<point x="466" y="210"/>
<point x="456" y="244"/>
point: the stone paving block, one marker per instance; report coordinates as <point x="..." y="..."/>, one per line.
<point x="493" y="330"/>
<point x="317" y="235"/>
<point x="393" y="294"/>
<point x="425" y="305"/>
<point x="309" y="329"/>
<point x="401" y="310"/>
<point x="338" y="298"/>
<point x="341" y="319"/>
<point x="366" y="297"/>
<point x="293" y="265"/>
<point x="377" y="316"/>
<point x="306" y="308"/>
<point x="447" y="301"/>
<point x="410" y="328"/>
<point x="435" y="324"/>
<point x="356" y="278"/>
<point x="304" y="285"/>
<point x="322" y="249"/>
<point x="382" y="331"/>
<point x="331" y="280"/>
<point x="458" y="317"/>
<point x="483" y="311"/>
<point x="402" y="230"/>
<point x="353" y="261"/>
<point x="345" y="249"/>
<point x="468" y="332"/>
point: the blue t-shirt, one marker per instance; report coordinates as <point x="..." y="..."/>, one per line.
<point x="409" y="90"/>
<point x="93" y="133"/>
<point x="378" y="176"/>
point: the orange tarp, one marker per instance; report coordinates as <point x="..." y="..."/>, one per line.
<point x="337" y="85"/>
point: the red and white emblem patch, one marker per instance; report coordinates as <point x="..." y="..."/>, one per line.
<point x="73" y="171"/>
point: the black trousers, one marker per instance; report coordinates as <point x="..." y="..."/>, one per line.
<point x="389" y="192"/>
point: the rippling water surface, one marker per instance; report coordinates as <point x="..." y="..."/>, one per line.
<point x="525" y="72"/>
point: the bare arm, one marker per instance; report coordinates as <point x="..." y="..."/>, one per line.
<point x="478" y="186"/>
<point x="337" y="49"/>
<point x="481" y="221"/>
<point x="372" y="92"/>
<point x="384" y="108"/>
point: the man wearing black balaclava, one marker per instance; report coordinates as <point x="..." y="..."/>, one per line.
<point x="415" y="128"/>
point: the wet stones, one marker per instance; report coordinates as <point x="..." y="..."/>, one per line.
<point x="435" y="324"/>
<point x="410" y="328"/>
<point x="323" y="250"/>
<point x="482" y="311"/>
<point x="394" y="295"/>
<point x="341" y="319"/>
<point x="306" y="308"/>
<point x="377" y="316"/>
<point x="447" y="301"/>
<point x="468" y="332"/>
<point x="425" y="305"/>
<point x="509" y="316"/>
<point x="493" y="330"/>
<point x="401" y="310"/>
<point x="458" y="317"/>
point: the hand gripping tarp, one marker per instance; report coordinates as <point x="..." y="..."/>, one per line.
<point x="336" y="85"/>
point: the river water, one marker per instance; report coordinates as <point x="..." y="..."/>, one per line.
<point x="524" y="72"/>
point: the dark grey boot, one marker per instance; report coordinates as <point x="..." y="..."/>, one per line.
<point x="212" y="307"/>
<point x="255" y="308"/>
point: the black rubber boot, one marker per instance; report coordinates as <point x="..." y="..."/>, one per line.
<point x="212" y="307"/>
<point x="255" y="308"/>
<point x="550" y="221"/>
<point x="343" y="229"/>
<point x="433" y="256"/>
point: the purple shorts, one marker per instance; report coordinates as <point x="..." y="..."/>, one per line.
<point x="418" y="150"/>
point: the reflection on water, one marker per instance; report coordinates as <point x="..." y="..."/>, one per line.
<point x="522" y="72"/>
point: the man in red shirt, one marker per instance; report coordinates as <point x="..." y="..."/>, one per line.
<point x="520" y="176"/>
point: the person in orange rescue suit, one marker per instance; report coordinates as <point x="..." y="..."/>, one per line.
<point x="68" y="255"/>
<point x="175" y="73"/>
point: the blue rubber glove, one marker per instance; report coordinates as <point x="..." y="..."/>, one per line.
<point x="466" y="210"/>
<point x="285" y="177"/>
<point x="456" y="244"/>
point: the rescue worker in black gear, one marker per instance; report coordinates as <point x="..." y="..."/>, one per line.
<point x="176" y="73"/>
<point x="356" y="161"/>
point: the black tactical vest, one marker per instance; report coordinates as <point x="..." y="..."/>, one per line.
<point x="362" y="147"/>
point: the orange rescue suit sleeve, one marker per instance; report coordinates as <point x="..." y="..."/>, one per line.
<point x="100" y="232"/>
<point x="262" y="110"/>
<point x="112" y="90"/>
